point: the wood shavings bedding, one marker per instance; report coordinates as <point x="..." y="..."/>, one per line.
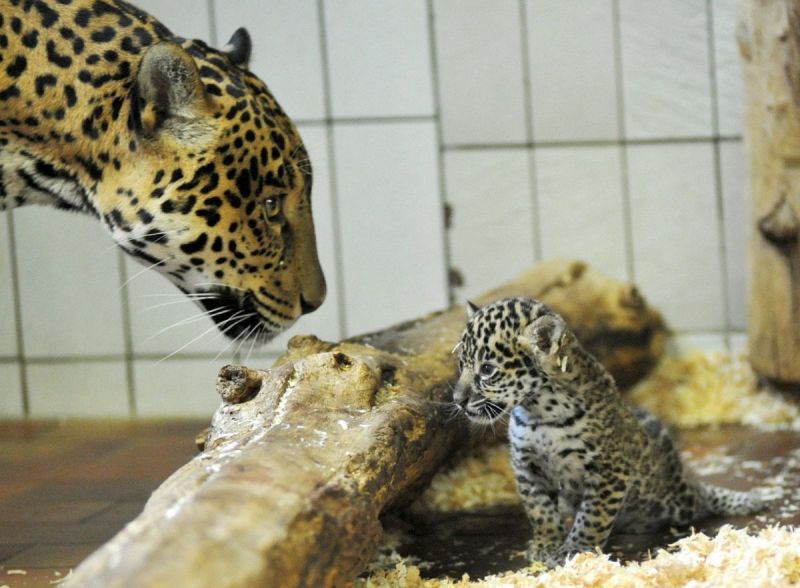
<point x="731" y="559"/>
<point x="483" y="478"/>
<point x="712" y="388"/>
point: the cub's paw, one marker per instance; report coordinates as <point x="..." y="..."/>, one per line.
<point x="550" y="555"/>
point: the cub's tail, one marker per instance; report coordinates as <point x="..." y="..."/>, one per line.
<point x="724" y="502"/>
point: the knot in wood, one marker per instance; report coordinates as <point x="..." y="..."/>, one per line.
<point x="780" y="226"/>
<point x="237" y="383"/>
<point x="342" y="361"/>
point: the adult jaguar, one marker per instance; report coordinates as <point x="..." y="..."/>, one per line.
<point x="180" y="151"/>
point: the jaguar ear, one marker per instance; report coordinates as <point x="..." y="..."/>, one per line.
<point x="169" y="88"/>
<point x="472" y="308"/>
<point x="544" y="335"/>
<point x="239" y="48"/>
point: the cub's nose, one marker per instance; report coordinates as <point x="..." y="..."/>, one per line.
<point x="460" y="397"/>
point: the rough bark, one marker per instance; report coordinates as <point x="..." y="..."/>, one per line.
<point x="769" y="41"/>
<point x="303" y="458"/>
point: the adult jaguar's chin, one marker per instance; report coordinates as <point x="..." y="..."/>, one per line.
<point x="237" y="316"/>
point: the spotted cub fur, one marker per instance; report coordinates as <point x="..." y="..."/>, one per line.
<point x="578" y="450"/>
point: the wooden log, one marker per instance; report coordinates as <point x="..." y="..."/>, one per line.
<point x="769" y="42"/>
<point x="303" y="458"/>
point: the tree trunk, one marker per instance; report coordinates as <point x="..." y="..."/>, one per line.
<point x="769" y="41"/>
<point x="302" y="459"/>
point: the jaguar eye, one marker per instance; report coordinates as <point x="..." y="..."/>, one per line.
<point x="272" y="207"/>
<point x="487" y="370"/>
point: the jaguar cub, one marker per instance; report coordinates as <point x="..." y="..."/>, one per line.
<point x="578" y="450"/>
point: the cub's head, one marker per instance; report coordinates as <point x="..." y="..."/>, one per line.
<point x="497" y="364"/>
<point x="211" y="186"/>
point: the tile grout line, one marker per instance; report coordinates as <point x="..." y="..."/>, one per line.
<point x="332" y="175"/>
<point x="570" y="144"/>
<point x="117" y="357"/>
<point x="443" y="193"/>
<point x="212" y="24"/>
<point x="23" y="371"/>
<point x="527" y="96"/>
<point x="127" y="333"/>
<point x="722" y="245"/>
<point x="367" y="120"/>
<point x="627" y="205"/>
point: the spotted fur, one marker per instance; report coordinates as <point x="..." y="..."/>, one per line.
<point x="177" y="148"/>
<point x="579" y="452"/>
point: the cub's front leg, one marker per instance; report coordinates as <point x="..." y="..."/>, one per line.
<point x="602" y="501"/>
<point x="540" y="500"/>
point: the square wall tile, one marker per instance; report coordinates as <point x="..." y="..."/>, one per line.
<point x="479" y="59"/>
<point x="8" y="324"/>
<point x="392" y="223"/>
<point x="69" y="284"/>
<point x="579" y="191"/>
<point x="185" y="18"/>
<point x="184" y="388"/>
<point x="665" y="68"/>
<point x="78" y="389"/>
<point x="379" y="58"/>
<point x="572" y="70"/>
<point x="676" y="233"/>
<point x="736" y="217"/>
<point x="491" y="234"/>
<point x="325" y="321"/>
<point x="10" y="391"/>
<point x="286" y="41"/>
<point x="728" y="67"/>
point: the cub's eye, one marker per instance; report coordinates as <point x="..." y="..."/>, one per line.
<point x="272" y="207"/>
<point x="487" y="370"/>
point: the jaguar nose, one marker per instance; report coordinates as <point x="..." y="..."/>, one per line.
<point x="308" y="307"/>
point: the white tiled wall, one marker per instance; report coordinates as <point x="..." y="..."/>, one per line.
<point x="379" y="58"/>
<point x="676" y="237"/>
<point x="490" y="236"/>
<point x="581" y="67"/>
<point x="392" y="239"/>
<point x="480" y="61"/>
<point x="665" y="56"/>
<point x="69" y="284"/>
<point x="576" y="187"/>
<point x="287" y="53"/>
<point x="736" y="211"/>
<point x="8" y="328"/>
<point x="601" y="129"/>
<point x="72" y="389"/>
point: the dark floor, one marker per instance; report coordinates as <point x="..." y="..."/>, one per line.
<point x="66" y="488"/>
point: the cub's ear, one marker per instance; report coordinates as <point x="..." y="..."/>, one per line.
<point x="543" y="336"/>
<point x="239" y="47"/>
<point x="169" y="88"/>
<point x="472" y="308"/>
